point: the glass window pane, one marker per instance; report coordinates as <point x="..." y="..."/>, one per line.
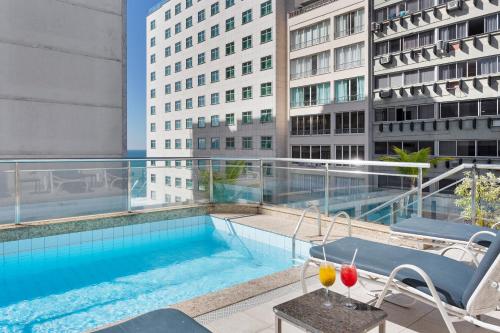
<point x="487" y="148"/>
<point x="449" y="110"/>
<point x="488" y="107"/>
<point x="468" y="109"/>
<point x="447" y="148"/>
<point x="466" y="148"/>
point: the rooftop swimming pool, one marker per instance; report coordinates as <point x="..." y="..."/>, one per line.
<point x="79" y="281"/>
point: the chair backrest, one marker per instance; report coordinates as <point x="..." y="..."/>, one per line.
<point x="482" y="294"/>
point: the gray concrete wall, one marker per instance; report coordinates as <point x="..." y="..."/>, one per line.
<point x="62" y="78"/>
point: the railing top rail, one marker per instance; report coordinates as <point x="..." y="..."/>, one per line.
<point x="296" y="160"/>
<point x="351" y="162"/>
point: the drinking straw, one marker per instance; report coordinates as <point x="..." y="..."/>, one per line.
<point x="324" y="253"/>
<point x="354" y="257"/>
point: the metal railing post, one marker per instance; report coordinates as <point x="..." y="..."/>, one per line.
<point x="394" y="213"/>
<point x="420" y="199"/>
<point x="473" y="191"/>
<point x="261" y="182"/>
<point x="129" y="186"/>
<point x="17" y="185"/>
<point x="211" y="181"/>
<point x="327" y="189"/>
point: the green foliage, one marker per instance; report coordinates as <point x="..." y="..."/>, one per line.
<point x="229" y="176"/>
<point x="487" y="198"/>
<point x="421" y="156"/>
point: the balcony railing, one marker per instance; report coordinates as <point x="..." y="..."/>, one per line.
<point x="349" y="65"/>
<point x="309" y="73"/>
<point x="310" y="42"/>
<point x="349" y="98"/>
<point x="310" y="102"/>
<point x="34" y="190"/>
<point x="325" y="131"/>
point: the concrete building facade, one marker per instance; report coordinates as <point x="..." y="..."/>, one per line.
<point x="436" y="68"/>
<point x="216" y="73"/>
<point x="62" y="78"/>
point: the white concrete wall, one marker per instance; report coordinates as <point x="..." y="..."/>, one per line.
<point x="62" y="78"/>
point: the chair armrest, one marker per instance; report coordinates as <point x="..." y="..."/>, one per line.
<point x="494" y="226"/>
<point x="477" y="234"/>
<point x="464" y="249"/>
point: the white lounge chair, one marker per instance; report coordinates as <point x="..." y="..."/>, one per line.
<point x="456" y="288"/>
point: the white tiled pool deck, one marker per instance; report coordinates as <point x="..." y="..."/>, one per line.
<point x="259" y="317"/>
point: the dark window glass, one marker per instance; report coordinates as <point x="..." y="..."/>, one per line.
<point x="466" y="148"/>
<point x="306" y="152"/>
<point x="487" y="148"/>
<point x="295" y="151"/>
<point x="315" y="152"/>
<point x="410" y="146"/>
<point x="488" y="107"/>
<point x="447" y="148"/>
<point x="426" y="144"/>
<point x="449" y="110"/>
<point x="426" y="111"/>
<point x="468" y="109"/>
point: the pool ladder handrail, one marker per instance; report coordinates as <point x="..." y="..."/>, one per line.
<point x="235" y="235"/>
<point x="325" y="238"/>
<point x="310" y="206"/>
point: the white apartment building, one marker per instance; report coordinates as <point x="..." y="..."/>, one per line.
<point x="436" y="69"/>
<point x="329" y="85"/>
<point x="216" y="87"/>
<point x="63" y="79"/>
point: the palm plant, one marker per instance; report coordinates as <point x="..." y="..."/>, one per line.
<point x="421" y="156"/>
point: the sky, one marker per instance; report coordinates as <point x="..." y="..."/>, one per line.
<point x="137" y="10"/>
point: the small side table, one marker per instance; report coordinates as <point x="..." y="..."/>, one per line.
<point x="308" y="313"/>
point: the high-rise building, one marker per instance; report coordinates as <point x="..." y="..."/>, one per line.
<point x="436" y="67"/>
<point x="216" y="86"/>
<point x="329" y="66"/>
<point x="62" y="79"/>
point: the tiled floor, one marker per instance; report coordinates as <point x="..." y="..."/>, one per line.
<point x="417" y="318"/>
<point x="260" y="318"/>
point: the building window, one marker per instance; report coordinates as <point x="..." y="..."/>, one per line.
<point x="168" y="33"/>
<point x="215" y="143"/>
<point x="178" y="144"/>
<point x="201" y="58"/>
<point x="247" y="117"/>
<point x="178" y="86"/>
<point x="214" y="76"/>
<point x="266" y="35"/>
<point x="350" y="122"/>
<point x="315" y="64"/>
<point x="266" y="142"/>
<point x="189" y="103"/>
<point x="189" y="143"/>
<point x="318" y="94"/>
<point x="247" y="142"/>
<point x="214" y="54"/>
<point x="152" y="144"/>
<point x="152" y="127"/>
<point x="246" y="42"/>
<point x="189" y="3"/>
<point x="178" y="182"/>
<point x="201" y="80"/>
<point x="246" y="68"/>
<point x="202" y="143"/>
<point x="177" y="28"/>
<point x="152" y="93"/>
<point x="266" y="116"/>
<point x="201" y="122"/>
<point x="168" y="144"/>
<point x="246" y="93"/>
<point x="350" y="90"/>
<point x="168" y="107"/>
<point x="178" y="67"/>
<point x="230" y="72"/>
<point x="189" y="83"/>
<point x="168" y="52"/>
<point x="201" y="36"/>
<point x="349" y="24"/>
<point x="402" y="113"/>
<point x="230" y="96"/>
<point x="189" y="184"/>
<point x="214" y="121"/>
<point x="201" y="101"/>
<point x="230" y="24"/>
<point x="214" y="9"/>
<point x="311" y="152"/>
<point x="178" y="105"/>
<point x="201" y="15"/>
<point x="152" y="76"/>
<point x="230" y="48"/>
<point x="168" y="125"/>
<point x="229" y="119"/>
<point x="189" y="42"/>
<point x="230" y="143"/>
<point x="189" y="22"/>
<point x="229" y="3"/>
<point x="189" y="63"/>
<point x="349" y="152"/>
<point x="350" y="56"/>
<point x="266" y="63"/>
<point x="152" y="110"/>
<point x="318" y="124"/>
<point x="168" y="181"/>
<point x="246" y="16"/>
<point x="317" y="33"/>
<point x="168" y="89"/>
<point x="152" y="25"/>
<point x="168" y="70"/>
<point x="152" y="59"/>
<point x="214" y="98"/>
<point x="214" y="31"/>
<point x="266" y="89"/>
<point x="266" y="8"/>
<point x="152" y="42"/>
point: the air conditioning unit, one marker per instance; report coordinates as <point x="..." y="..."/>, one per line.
<point x="376" y="27"/>
<point x="442" y="46"/>
<point x="454" y="5"/>
<point x="385" y="60"/>
<point x="385" y="93"/>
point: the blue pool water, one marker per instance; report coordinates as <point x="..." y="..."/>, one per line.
<point x="76" y="282"/>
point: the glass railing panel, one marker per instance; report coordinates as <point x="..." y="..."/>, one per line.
<point x="7" y="193"/>
<point x="236" y="181"/>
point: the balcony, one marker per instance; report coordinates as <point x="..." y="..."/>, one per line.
<point x="309" y="73"/>
<point x="310" y="42"/>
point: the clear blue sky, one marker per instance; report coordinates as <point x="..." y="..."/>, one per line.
<point x="137" y="10"/>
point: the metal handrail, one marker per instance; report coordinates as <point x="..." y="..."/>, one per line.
<point x="334" y="217"/>
<point x="311" y="205"/>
